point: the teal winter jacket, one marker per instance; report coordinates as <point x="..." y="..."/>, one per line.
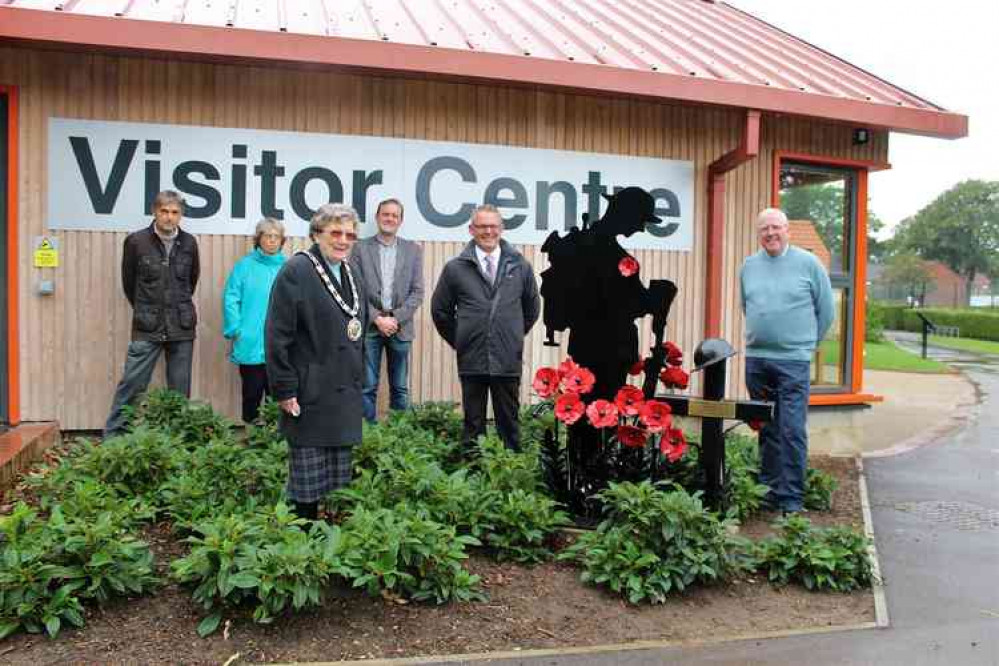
<point x="244" y="305"/>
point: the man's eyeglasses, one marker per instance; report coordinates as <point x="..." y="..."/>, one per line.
<point x="336" y="234"/>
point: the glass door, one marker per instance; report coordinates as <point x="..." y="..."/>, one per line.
<point x="821" y="205"/>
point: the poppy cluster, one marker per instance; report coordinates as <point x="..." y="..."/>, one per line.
<point x="672" y="376"/>
<point x="634" y="419"/>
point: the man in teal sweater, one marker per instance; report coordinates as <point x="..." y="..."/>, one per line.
<point x="788" y="304"/>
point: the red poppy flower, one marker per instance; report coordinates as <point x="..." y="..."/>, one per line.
<point x="546" y="381"/>
<point x="756" y="425"/>
<point x="638" y="368"/>
<point x="567" y="366"/>
<point x="674" y="377"/>
<point x="602" y="414"/>
<point x="631" y="436"/>
<point x="628" y="266"/>
<point x="656" y="415"/>
<point x="578" y="381"/>
<point x="569" y="408"/>
<point x="674" y="355"/>
<point x="673" y="444"/>
<point x="629" y="400"/>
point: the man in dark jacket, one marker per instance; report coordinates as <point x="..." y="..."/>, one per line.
<point x="485" y="303"/>
<point x="159" y="271"/>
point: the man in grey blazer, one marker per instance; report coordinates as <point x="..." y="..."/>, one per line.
<point x="391" y="269"/>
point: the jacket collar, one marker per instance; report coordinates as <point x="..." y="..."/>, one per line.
<point x="268" y="259"/>
<point x="507" y="253"/>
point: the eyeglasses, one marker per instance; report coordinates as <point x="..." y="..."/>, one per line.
<point x="336" y="234"/>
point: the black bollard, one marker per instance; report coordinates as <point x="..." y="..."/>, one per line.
<point x="711" y="358"/>
<point x="713" y="437"/>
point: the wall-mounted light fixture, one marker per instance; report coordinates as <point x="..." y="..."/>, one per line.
<point x="861" y="136"/>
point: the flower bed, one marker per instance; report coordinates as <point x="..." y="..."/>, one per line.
<point x="426" y="552"/>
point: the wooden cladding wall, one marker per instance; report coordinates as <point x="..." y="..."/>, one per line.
<point x="72" y="344"/>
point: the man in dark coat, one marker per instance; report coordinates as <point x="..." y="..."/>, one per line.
<point x="485" y="303"/>
<point x="313" y="348"/>
<point x="159" y="271"/>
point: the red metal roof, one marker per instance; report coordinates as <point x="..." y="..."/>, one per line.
<point x="688" y="50"/>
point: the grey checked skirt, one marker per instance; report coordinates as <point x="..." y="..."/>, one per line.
<point x="314" y="471"/>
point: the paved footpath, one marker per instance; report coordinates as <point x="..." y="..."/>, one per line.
<point x="936" y="520"/>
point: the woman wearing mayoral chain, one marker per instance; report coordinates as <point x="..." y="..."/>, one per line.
<point x="315" y="322"/>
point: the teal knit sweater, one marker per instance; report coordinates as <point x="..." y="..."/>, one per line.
<point x="788" y="304"/>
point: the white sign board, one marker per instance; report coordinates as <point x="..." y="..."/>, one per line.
<point x="104" y="175"/>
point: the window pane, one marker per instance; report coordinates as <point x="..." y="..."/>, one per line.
<point x="828" y="360"/>
<point x="817" y="201"/>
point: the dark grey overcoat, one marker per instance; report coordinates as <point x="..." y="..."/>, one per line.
<point x="310" y="357"/>
<point x="486" y="324"/>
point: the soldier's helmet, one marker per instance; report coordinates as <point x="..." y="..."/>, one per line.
<point x="628" y="211"/>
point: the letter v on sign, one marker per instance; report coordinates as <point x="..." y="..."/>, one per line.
<point x="103" y="199"/>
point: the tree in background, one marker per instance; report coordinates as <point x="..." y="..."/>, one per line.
<point x="908" y="272"/>
<point x="960" y="228"/>
<point x="824" y="205"/>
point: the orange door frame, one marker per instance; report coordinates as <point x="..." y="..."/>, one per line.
<point x="862" y="168"/>
<point x="13" y="374"/>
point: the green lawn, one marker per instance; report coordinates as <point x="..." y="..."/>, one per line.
<point x="967" y="344"/>
<point x="886" y="356"/>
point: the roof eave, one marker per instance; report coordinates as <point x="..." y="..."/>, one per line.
<point x="47" y="28"/>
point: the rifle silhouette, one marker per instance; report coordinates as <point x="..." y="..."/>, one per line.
<point x="661" y="295"/>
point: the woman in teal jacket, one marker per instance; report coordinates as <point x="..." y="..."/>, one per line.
<point x="244" y="309"/>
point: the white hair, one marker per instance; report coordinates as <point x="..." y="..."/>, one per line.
<point x="768" y="213"/>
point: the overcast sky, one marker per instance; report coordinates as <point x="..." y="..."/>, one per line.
<point x="946" y="52"/>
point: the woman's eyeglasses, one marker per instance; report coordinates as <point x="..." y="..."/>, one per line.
<point x="336" y="234"/>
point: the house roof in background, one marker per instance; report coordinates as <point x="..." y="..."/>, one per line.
<point x="697" y="51"/>
<point x="805" y="235"/>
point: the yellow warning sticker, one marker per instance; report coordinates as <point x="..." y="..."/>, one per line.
<point x="46" y="253"/>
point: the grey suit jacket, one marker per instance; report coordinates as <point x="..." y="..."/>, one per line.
<point x="407" y="286"/>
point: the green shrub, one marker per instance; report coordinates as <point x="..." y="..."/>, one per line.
<point x="505" y="470"/>
<point x="391" y="553"/>
<point x="742" y="462"/>
<point x="264" y="558"/>
<point x="400" y="435"/>
<point x="133" y="464"/>
<point x="652" y="543"/>
<point x="193" y="423"/>
<point x="520" y="524"/>
<point x="974" y="323"/>
<point x="819" y="489"/>
<point x="874" y="322"/>
<point x="84" y="498"/>
<point x="819" y="558"/>
<point x="51" y="567"/>
<point x="442" y="420"/>
<point x="223" y="477"/>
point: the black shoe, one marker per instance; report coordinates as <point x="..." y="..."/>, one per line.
<point x="307" y="510"/>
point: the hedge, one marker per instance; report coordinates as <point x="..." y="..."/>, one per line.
<point x="975" y="324"/>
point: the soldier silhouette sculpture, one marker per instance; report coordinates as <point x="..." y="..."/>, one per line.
<point x="592" y="288"/>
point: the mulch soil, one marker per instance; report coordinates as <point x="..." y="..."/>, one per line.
<point x="545" y="606"/>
